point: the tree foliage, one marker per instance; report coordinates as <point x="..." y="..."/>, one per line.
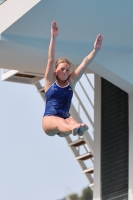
<point x="74" y="197"/>
<point x="87" y="194"/>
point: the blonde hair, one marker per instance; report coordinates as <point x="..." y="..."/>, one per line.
<point x="63" y="60"/>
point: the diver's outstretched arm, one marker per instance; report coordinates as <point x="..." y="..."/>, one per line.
<point x="49" y="74"/>
<point x="76" y="75"/>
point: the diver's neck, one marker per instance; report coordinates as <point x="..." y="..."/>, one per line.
<point x="61" y="83"/>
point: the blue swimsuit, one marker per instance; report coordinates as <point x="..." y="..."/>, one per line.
<point x="58" y="100"/>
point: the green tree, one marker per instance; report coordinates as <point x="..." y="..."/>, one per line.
<point x="74" y="197"/>
<point x="87" y="194"/>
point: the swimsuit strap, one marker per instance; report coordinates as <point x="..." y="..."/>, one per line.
<point x="60" y="86"/>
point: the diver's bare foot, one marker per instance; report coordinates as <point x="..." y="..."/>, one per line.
<point x="76" y="129"/>
<point x="82" y="129"/>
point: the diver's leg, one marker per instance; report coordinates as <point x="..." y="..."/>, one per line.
<point x="69" y="121"/>
<point x="53" y="125"/>
<point x="81" y="130"/>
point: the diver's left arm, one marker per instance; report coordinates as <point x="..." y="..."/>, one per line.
<point x="76" y="75"/>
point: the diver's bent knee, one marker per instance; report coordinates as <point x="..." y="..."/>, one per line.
<point x="51" y="133"/>
<point x="60" y="134"/>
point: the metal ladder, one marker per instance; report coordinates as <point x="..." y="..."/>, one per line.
<point x="82" y="147"/>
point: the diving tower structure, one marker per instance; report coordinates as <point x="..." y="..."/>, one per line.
<point x="104" y="94"/>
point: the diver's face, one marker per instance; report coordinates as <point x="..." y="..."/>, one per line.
<point x="62" y="71"/>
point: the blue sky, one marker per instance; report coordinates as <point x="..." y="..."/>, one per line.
<point x="33" y="165"/>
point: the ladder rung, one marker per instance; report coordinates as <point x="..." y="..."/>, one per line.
<point x="84" y="156"/>
<point x="24" y="75"/>
<point x="91" y="185"/>
<point x="89" y="170"/>
<point x="20" y="77"/>
<point x="41" y="90"/>
<point x="77" y="143"/>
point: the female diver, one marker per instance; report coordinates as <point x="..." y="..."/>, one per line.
<point x="59" y="86"/>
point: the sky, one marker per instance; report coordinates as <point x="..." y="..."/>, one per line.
<point x="33" y="165"/>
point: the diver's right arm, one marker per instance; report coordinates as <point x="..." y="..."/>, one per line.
<point x="49" y="74"/>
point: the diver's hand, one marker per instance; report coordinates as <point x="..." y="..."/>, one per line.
<point x="98" y="42"/>
<point x="54" y="30"/>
